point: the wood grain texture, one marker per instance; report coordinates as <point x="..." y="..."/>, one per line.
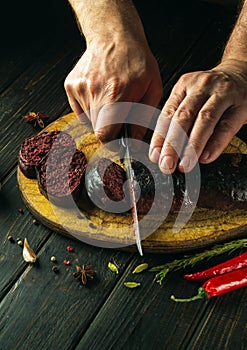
<point x="50" y="310"/>
<point x="150" y="320"/>
<point x="224" y="324"/>
<point x="43" y="310"/>
<point x="31" y="92"/>
<point x="19" y="226"/>
<point x="205" y="227"/>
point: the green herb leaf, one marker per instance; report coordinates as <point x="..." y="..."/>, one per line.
<point x="193" y="259"/>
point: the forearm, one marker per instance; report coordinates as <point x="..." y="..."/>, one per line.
<point x="108" y="19"/>
<point x="236" y="48"/>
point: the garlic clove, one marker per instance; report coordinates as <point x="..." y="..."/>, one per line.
<point x="28" y="254"/>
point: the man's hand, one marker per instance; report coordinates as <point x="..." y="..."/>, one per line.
<point x="210" y="107"/>
<point x="117" y="66"/>
<point x="113" y="72"/>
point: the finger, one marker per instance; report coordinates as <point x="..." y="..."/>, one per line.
<point x="158" y="137"/>
<point x="162" y="126"/>
<point x="140" y="117"/>
<point x="179" y="128"/>
<point x="231" y="122"/>
<point x="172" y="147"/>
<point x="109" y="120"/>
<point x="203" y="128"/>
<point x="75" y="106"/>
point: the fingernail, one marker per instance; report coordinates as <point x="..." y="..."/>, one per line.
<point x="154" y="155"/>
<point x="185" y="163"/>
<point x="205" y="155"/>
<point x="167" y="163"/>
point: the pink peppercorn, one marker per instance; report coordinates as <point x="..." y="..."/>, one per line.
<point x="66" y="262"/>
<point x="70" y="248"/>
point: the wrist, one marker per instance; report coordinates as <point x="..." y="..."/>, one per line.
<point x="234" y="68"/>
<point x="108" y="21"/>
<point x="232" y="64"/>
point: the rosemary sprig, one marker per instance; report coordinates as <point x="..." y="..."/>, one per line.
<point x="177" y="264"/>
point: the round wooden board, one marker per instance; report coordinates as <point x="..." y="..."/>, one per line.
<point x="95" y="226"/>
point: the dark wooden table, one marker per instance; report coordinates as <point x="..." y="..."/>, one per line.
<point x="41" y="309"/>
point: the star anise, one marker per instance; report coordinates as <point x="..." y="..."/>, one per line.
<point x="37" y="118"/>
<point x="84" y="272"/>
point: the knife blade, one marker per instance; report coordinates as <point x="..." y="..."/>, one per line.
<point x="127" y="159"/>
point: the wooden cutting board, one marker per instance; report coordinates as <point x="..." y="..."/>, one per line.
<point x="95" y="226"/>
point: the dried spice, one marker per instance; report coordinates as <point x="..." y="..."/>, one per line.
<point x="66" y="262"/>
<point x="20" y="210"/>
<point x="28" y="254"/>
<point x="19" y="242"/>
<point x="113" y="267"/>
<point x="83" y="273"/>
<point x="11" y="239"/>
<point x="70" y="248"/>
<point x="140" y="268"/>
<point x="35" y="222"/>
<point x="37" y="118"/>
<point x="53" y="258"/>
<point x="132" y="284"/>
<point x="55" y="269"/>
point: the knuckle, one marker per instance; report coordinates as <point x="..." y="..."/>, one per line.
<point x="195" y="147"/>
<point x="206" y="78"/>
<point x="206" y="115"/>
<point x="169" y="110"/>
<point x="184" y="78"/>
<point x="183" y="115"/>
<point x="172" y="104"/>
<point x="67" y="84"/>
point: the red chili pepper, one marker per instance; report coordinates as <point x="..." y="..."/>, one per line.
<point x="219" y="285"/>
<point x="238" y="262"/>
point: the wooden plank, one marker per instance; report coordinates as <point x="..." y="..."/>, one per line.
<point x="224" y="324"/>
<point x="148" y="319"/>
<point x="14" y="63"/>
<point x="16" y="225"/>
<point x="206" y="51"/>
<point x="175" y="27"/>
<point x="32" y="85"/>
<point x="143" y="318"/>
<point x="48" y="310"/>
<point x="34" y="93"/>
<point x="34" y="81"/>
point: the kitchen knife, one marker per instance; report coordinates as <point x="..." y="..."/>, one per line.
<point x="127" y="159"/>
